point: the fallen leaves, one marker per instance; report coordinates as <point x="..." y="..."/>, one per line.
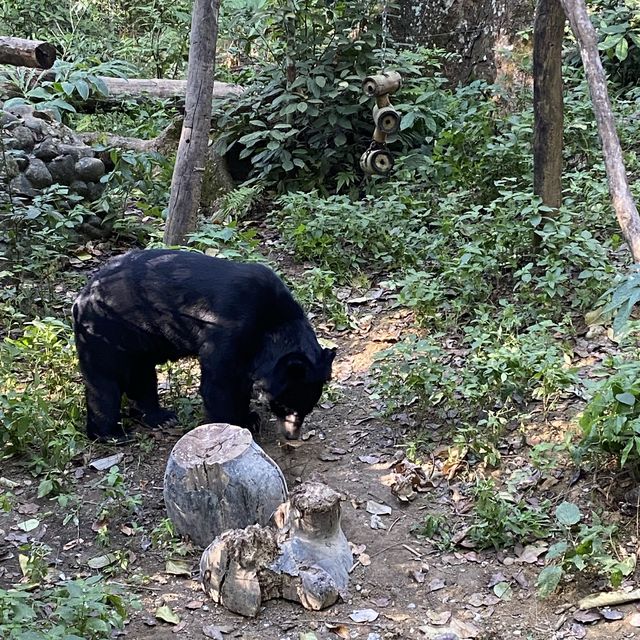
<point x="364" y="615"/>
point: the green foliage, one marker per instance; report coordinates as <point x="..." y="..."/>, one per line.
<point x="233" y="241"/>
<point x="619" y="301"/>
<point x="610" y="422"/>
<point x="152" y="35"/>
<point x="83" y="608"/>
<point x="344" y="236"/>
<point x="502" y="370"/>
<point x="315" y="290"/>
<point x="583" y="548"/>
<point x="303" y="120"/>
<point x="502" y="519"/>
<point x="237" y="204"/>
<point x="39" y="409"/>
<point x="71" y="83"/>
<point x="618" y="27"/>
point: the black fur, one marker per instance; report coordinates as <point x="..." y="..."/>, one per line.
<point x="147" y="307"/>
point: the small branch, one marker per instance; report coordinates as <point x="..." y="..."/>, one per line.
<point x="608" y="598"/>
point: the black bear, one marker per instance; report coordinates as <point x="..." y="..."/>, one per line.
<point x="147" y="307"/>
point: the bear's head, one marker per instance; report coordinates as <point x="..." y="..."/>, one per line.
<point x="295" y="386"/>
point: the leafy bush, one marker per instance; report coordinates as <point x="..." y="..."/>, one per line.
<point x="610" y="422"/>
<point x="583" y="548"/>
<point x="501" y="519"/>
<point x="344" y="236"/>
<point x="499" y="371"/>
<point x="80" y="608"/>
<point x="39" y="409"/>
<point x="303" y="120"/>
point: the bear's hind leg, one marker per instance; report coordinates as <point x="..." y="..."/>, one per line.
<point x="103" y="396"/>
<point x="142" y="392"/>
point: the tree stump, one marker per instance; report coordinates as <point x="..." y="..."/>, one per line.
<point x="307" y="559"/>
<point x="217" y="478"/>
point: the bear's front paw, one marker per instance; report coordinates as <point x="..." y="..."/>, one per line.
<point x="159" y="419"/>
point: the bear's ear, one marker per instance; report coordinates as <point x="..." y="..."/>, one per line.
<point x="328" y="356"/>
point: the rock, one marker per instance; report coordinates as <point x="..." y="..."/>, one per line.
<point x="21" y="158"/>
<point x="94" y="190"/>
<point x="20" y="109"/>
<point x="46" y="150"/>
<point x="21" y="186"/>
<point x="90" y="169"/>
<point x="38" y="174"/>
<point x="6" y="119"/>
<point x="37" y="127"/>
<point x="80" y="187"/>
<point x="62" y="169"/>
<point x="24" y="137"/>
<point x="76" y="151"/>
<point x="10" y="144"/>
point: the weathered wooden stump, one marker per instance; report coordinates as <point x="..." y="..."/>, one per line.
<point x="217" y="478"/>
<point x="307" y="559"/>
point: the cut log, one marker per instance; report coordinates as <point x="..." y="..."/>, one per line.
<point x="27" y="53"/>
<point x="137" y="88"/>
<point x="217" y="478"/>
<point x="307" y="559"/>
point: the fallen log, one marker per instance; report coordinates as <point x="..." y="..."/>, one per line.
<point x="218" y="478"/>
<point x="139" y="87"/>
<point x="27" y="53"/>
<point x="134" y="88"/>
<point x="165" y="143"/>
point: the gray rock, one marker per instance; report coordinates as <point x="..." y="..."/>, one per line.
<point x="62" y="169"/>
<point x="37" y="126"/>
<point x="10" y="143"/>
<point x="46" y="150"/>
<point x="38" y="174"/>
<point x="7" y="118"/>
<point x="8" y="167"/>
<point x="20" y="109"/>
<point x="76" y="151"/>
<point x="21" y="186"/>
<point x="90" y="169"/>
<point x="24" y="137"/>
<point x="21" y="158"/>
<point x="80" y="187"/>
<point x="95" y="190"/>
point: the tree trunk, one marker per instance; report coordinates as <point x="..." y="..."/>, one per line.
<point x="28" y="53"/>
<point x="187" y="174"/>
<point x="548" y="31"/>
<point x="623" y="203"/>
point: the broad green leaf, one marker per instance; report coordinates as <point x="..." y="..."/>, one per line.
<point x="626" y="398"/>
<point x="165" y="614"/>
<point x="548" y="581"/>
<point x="29" y="525"/>
<point x="568" y="514"/>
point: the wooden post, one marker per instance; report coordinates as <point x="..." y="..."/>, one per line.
<point x="28" y="53"/>
<point x="623" y="202"/>
<point x="548" y="31"/>
<point x="186" y="184"/>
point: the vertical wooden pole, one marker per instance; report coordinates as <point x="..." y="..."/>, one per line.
<point x="623" y="202"/>
<point x="186" y="183"/>
<point x="548" y="104"/>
